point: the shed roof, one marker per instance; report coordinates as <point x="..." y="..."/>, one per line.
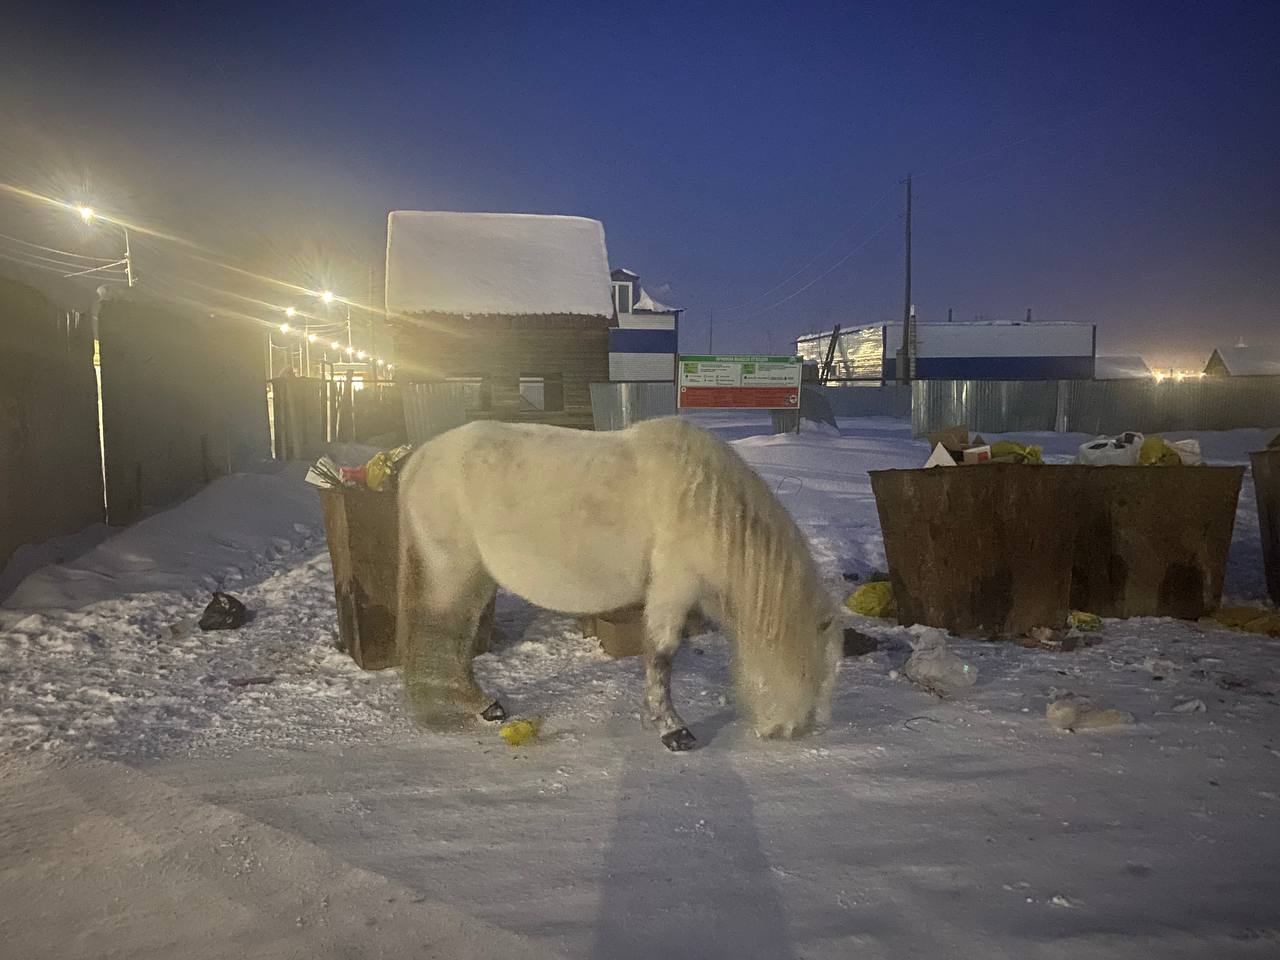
<point x="496" y="263"/>
<point x="1250" y="361"/>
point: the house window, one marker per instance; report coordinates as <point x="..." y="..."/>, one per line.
<point x="542" y="392"/>
<point x="476" y="393"/>
<point x="622" y="296"/>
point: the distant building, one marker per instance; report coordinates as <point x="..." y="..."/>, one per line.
<point x="961" y="351"/>
<point x="643" y="346"/>
<point x="1242" y="361"/>
<point x="517" y="306"/>
<point x="1130" y="367"/>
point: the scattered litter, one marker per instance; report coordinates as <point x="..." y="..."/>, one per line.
<point x="517" y="732"/>
<point x="249" y="681"/>
<point x="1060" y="901"/>
<point x="1087" y="622"/>
<point x="1007" y="451"/>
<point x="934" y="667"/>
<point x="908" y="722"/>
<point x="224" y="612"/>
<point x="873" y="600"/>
<point x="1071" y="713"/>
<point x="1120" y="450"/>
<point x="1190" y="706"/>
<point x="939" y="458"/>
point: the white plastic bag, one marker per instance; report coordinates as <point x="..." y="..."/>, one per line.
<point x="1121" y="450"/>
<point x="1188" y="451"/>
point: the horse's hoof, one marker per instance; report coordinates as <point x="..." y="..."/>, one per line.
<point x="678" y="740"/>
<point x="494" y="712"/>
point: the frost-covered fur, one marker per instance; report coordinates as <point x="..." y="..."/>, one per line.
<point x="662" y="514"/>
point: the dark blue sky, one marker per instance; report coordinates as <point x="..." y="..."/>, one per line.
<point x="1117" y="164"/>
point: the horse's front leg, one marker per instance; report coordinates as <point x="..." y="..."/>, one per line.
<point x="664" y="624"/>
<point x="440" y="612"/>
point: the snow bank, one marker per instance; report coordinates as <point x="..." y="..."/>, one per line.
<point x="496" y="263"/>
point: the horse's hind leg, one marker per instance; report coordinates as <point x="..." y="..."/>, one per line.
<point x="666" y="608"/>
<point x="442" y="598"/>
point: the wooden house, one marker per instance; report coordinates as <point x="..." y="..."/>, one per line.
<point x="516" y="306"/>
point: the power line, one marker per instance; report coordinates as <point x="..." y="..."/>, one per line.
<point x="41" y="266"/>
<point x="41" y="246"/>
<point x="64" y="264"/>
<point x="839" y="236"/>
<point x="866" y="240"/>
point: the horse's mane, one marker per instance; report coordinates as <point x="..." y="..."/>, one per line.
<point x="771" y="593"/>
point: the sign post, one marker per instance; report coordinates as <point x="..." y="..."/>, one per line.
<point x="740" y="383"/>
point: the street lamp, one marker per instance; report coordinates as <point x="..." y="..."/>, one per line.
<point x="89" y="215"/>
<point x="326" y="296"/>
<point x="290" y="312"/>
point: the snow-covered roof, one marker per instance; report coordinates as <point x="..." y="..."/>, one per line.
<point x="1250" y="361"/>
<point x="1130" y="367"/>
<point x="646" y="302"/>
<point x="496" y="263"/>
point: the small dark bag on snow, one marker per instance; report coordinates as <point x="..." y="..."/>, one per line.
<point x="224" y="612"/>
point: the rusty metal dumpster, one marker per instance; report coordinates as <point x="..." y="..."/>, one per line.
<point x="362" y="528"/>
<point x="982" y="550"/>
<point x="1152" y="541"/>
<point x="1266" y="484"/>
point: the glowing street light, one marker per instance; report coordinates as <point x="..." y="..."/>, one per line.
<point x="360" y="355"/>
<point x="290" y="312"/>
<point x="351" y="351"/>
<point x="335" y="345"/>
<point x="326" y="296"/>
<point x="88" y="215"/>
<point x="285" y="328"/>
<point x="312" y="337"/>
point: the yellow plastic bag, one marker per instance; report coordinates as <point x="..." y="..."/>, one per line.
<point x="1156" y="453"/>
<point x="1250" y="619"/>
<point x="873" y="600"/>
<point x="1086" y="622"/>
<point x="382" y="465"/>
<point x="516" y="732"/>
<point x="1008" y="451"/>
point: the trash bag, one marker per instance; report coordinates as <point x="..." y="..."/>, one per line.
<point x="1120" y="450"/>
<point x="224" y="612"/>
<point x="935" y="667"/>
<point x="1086" y="622"/>
<point x="1007" y="451"/>
<point x="1156" y="452"/>
<point x="873" y="600"/>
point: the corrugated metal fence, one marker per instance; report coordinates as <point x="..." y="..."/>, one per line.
<point x="432" y="408"/>
<point x="615" y="406"/>
<point x="1095" y="406"/>
<point x="867" y="401"/>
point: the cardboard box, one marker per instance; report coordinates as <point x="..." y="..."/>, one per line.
<point x="980" y="454"/>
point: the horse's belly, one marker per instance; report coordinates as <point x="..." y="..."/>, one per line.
<point x="572" y="581"/>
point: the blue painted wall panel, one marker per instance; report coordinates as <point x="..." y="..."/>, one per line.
<point x="642" y="341"/>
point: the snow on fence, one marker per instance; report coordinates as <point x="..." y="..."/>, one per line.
<point x="1095" y="406"/>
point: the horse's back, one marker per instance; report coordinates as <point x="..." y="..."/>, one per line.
<point x="556" y="515"/>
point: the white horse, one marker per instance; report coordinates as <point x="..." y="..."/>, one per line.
<point x="661" y="514"/>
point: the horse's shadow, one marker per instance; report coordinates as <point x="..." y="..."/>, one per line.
<point x="685" y="873"/>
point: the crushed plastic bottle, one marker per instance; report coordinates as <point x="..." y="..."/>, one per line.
<point x="932" y="665"/>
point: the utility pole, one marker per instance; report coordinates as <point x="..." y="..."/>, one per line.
<point x="949" y="314"/>
<point x="1028" y="314"/>
<point x="904" y="356"/>
<point x="711" y="330"/>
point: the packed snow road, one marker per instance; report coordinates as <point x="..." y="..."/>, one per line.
<point x="170" y="793"/>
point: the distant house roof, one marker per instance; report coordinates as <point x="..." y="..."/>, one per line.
<point x="1248" y="361"/>
<point x="496" y="263"/>
<point x="1131" y="367"/>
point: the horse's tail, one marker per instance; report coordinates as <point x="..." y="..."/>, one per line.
<point x="767" y="585"/>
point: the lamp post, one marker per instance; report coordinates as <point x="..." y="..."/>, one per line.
<point x="89" y="215"/>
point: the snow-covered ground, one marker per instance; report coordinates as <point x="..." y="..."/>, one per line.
<point x="153" y="804"/>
